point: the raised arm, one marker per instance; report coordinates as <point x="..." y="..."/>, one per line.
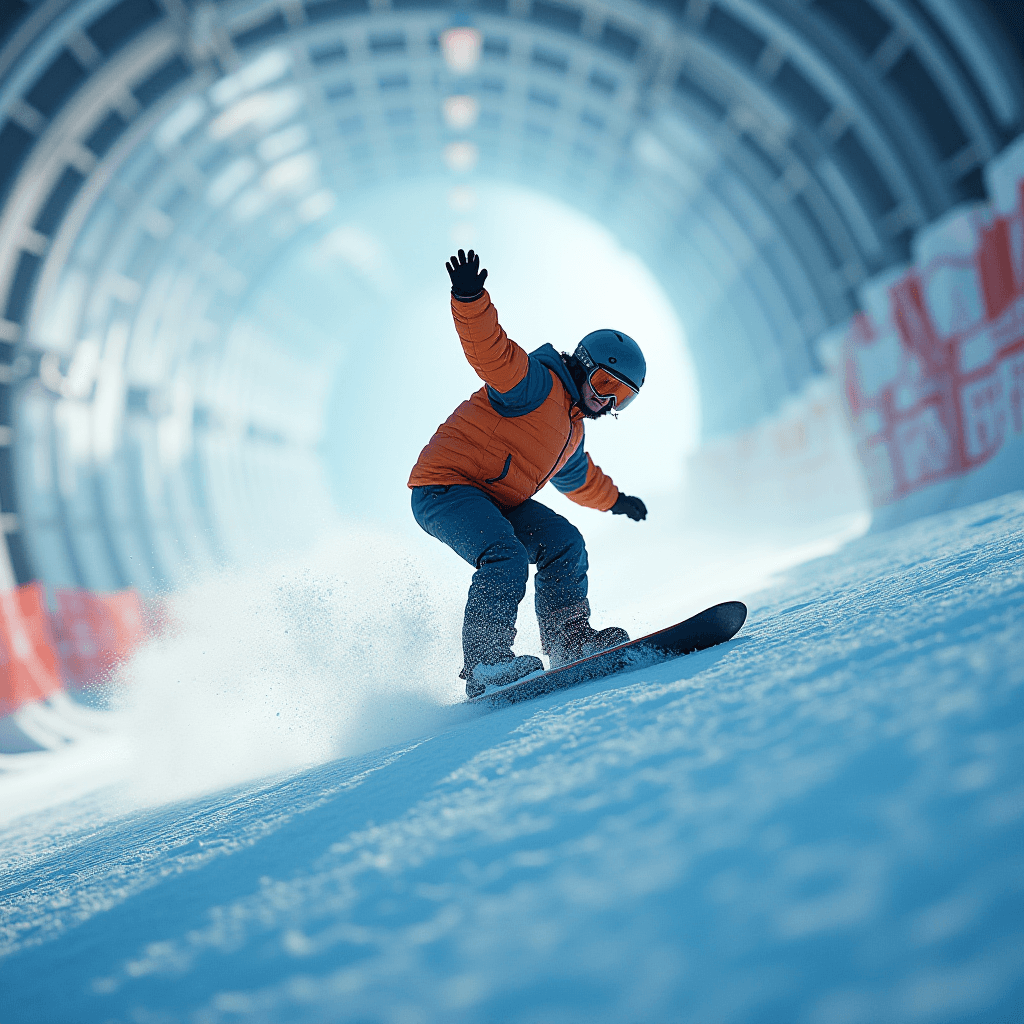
<point x="497" y="360"/>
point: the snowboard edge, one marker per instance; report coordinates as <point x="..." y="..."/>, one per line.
<point x="709" y="628"/>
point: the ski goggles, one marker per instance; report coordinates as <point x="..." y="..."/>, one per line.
<point x="606" y="384"/>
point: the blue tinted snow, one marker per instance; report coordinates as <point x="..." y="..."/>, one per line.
<point x="820" y="823"/>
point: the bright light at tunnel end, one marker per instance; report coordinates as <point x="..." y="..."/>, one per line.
<point x="555" y="276"/>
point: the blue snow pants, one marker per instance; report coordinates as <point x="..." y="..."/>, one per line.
<point x="501" y="544"/>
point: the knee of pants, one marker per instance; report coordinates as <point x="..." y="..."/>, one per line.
<point x="504" y="565"/>
<point x="565" y="544"/>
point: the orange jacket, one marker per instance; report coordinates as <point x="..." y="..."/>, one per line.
<point x="522" y="429"/>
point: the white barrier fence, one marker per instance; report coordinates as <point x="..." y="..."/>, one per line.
<point x="925" y="399"/>
<point x="795" y="470"/>
<point x="932" y="369"/>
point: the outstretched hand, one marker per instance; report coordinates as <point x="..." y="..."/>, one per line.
<point x="467" y="277"/>
<point x="625" y="505"/>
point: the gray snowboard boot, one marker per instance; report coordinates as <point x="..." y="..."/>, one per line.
<point x="568" y="636"/>
<point x="487" y="678"/>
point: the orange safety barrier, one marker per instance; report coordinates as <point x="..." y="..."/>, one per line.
<point x="29" y="669"/>
<point x="96" y="631"/>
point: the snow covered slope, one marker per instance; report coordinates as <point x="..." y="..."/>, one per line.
<point x="819" y="823"/>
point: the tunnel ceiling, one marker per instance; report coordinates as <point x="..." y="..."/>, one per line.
<point x="157" y="157"/>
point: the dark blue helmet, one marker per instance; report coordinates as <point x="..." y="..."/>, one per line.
<point x="620" y="356"/>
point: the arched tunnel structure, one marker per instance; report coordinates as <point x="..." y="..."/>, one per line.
<point x="157" y="157"/>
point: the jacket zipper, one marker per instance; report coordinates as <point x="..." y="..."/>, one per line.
<point x="551" y="472"/>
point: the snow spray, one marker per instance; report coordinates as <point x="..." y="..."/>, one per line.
<point x="270" y="668"/>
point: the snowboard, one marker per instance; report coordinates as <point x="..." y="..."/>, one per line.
<point x="706" y="629"/>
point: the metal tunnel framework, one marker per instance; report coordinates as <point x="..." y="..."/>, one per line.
<point x="157" y="157"/>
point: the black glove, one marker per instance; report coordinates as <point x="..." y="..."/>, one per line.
<point x="628" y="506"/>
<point x="467" y="277"/>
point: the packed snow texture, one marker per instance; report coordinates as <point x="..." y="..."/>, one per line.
<point x="818" y="823"/>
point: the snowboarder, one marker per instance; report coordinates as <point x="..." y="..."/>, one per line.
<point x="474" y="482"/>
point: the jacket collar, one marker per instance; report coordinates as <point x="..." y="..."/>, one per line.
<point x="547" y="355"/>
